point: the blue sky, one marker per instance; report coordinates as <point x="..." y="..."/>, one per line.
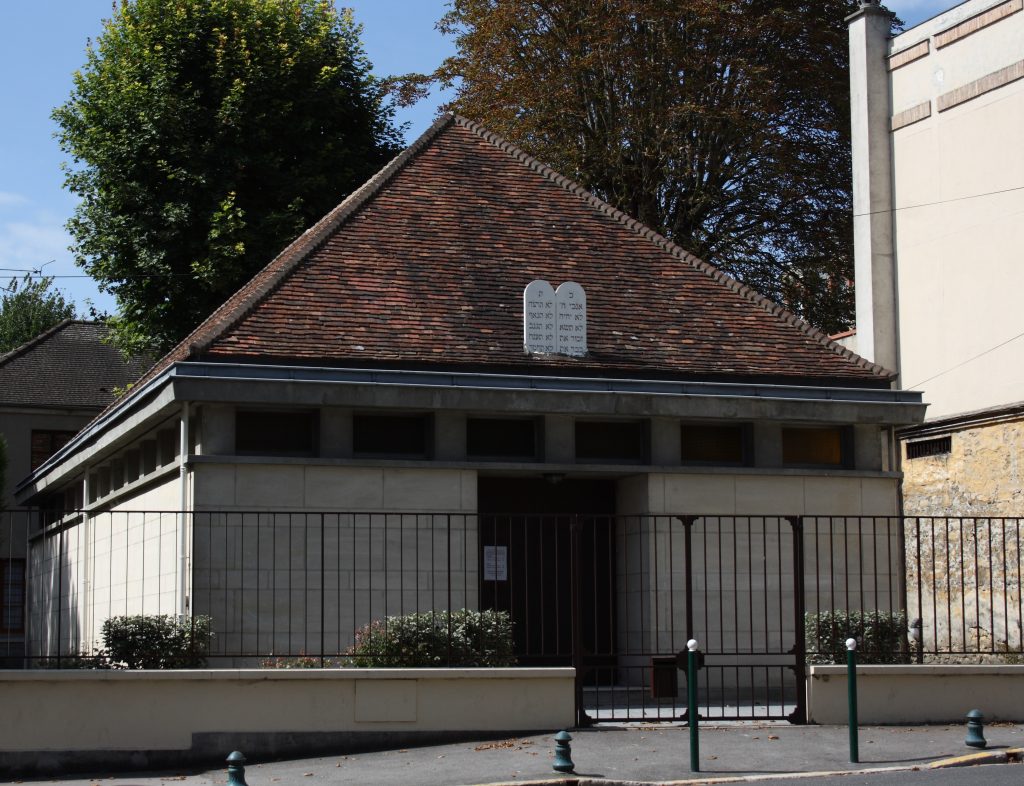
<point x="43" y="42"/>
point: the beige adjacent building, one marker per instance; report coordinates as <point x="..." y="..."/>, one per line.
<point x="938" y="115"/>
<point x="937" y="119"/>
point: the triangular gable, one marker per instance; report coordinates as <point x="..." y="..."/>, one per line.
<point x="425" y="265"/>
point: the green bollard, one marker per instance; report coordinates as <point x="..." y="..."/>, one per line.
<point x="563" y="753"/>
<point x="975" y="730"/>
<point x="691" y="698"/>
<point x="851" y="692"/>
<point x="236" y="769"/>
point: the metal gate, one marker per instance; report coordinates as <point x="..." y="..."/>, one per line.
<point x="618" y="597"/>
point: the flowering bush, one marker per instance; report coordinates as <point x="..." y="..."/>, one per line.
<point x="436" y="638"/>
<point x="300" y="661"/>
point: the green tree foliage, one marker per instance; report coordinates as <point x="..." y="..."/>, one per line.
<point x="724" y="125"/>
<point x="27" y="308"/>
<point x="206" y="135"/>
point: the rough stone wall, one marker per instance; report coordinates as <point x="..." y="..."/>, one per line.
<point x="981" y="476"/>
<point x="961" y="508"/>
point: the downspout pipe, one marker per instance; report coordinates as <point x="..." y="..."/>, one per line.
<point x="183" y="452"/>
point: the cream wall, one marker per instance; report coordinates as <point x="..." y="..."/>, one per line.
<point x="743" y="559"/>
<point x="305" y="580"/>
<point x="958" y="178"/>
<point x="917" y="694"/>
<point x="118" y="562"/>
<point x="82" y="712"/>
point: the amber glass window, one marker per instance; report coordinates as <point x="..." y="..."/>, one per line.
<point x="502" y="438"/>
<point x="611" y="442"/>
<point x="818" y="447"/>
<point x="275" y="433"/>
<point x="715" y="443"/>
<point x="398" y="436"/>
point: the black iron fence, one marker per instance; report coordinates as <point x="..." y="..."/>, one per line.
<point x="615" y="596"/>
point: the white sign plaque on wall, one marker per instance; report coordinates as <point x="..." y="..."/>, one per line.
<point x="572" y="319"/>
<point x="495" y="563"/>
<point x="540" y="331"/>
<point x="555" y="321"/>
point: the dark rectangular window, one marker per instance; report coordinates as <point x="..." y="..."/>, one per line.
<point x="502" y="438"/>
<point x="46" y="443"/>
<point x="828" y="446"/>
<point x="167" y="446"/>
<point x="12" y="596"/>
<point x="396" y="436"/>
<point x="612" y="442"/>
<point x="276" y="433"/>
<point x="929" y="447"/>
<point x="721" y="444"/>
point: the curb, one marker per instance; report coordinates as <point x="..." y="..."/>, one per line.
<point x="709" y="779"/>
<point x="1003" y="756"/>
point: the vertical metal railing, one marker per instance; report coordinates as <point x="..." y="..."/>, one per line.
<point x="617" y="596"/>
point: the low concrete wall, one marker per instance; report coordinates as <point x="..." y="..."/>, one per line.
<point x="917" y="694"/>
<point x="56" y="719"/>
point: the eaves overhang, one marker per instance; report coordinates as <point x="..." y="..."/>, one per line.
<point x="263" y="385"/>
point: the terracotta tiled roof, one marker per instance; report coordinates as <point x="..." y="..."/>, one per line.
<point x="425" y="266"/>
<point x="67" y="366"/>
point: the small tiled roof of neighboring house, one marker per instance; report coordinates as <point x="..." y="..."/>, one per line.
<point x="424" y="267"/>
<point x="66" y="367"/>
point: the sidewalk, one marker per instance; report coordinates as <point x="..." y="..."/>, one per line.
<point x="611" y="754"/>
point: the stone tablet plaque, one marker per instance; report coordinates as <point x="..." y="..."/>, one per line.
<point x="571" y="302"/>
<point x="540" y="330"/>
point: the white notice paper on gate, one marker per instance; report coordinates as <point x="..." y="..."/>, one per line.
<point x="495" y="563"/>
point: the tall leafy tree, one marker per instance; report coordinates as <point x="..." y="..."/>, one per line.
<point x="205" y="135"/>
<point x="27" y="308"/>
<point x="724" y="125"/>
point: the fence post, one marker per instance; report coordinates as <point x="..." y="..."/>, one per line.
<point x="691" y="698"/>
<point x="851" y="693"/>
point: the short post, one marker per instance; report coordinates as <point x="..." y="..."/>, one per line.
<point x="563" y="753"/>
<point x="851" y="692"/>
<point x="975" y="730"/>
<point x="691" y="699"/>
<point x="236" y="769"/>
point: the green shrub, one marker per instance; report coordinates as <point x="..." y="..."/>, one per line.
<point x="152" y="641"/>
<point x="301" y="661"/>
<point x="881" y="636"/>
<point x="478" y="638"/>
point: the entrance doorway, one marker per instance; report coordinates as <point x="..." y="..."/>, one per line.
<point x="547" y="551"/>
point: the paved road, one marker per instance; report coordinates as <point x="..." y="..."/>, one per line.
<point x="639" y="753"/>
<point x="991" y="775"/>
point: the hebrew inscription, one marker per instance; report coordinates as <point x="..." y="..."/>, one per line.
<point x="540" y="332"/>
<point x="555" y="321"/>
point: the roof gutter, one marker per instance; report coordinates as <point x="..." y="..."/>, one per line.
<point x="482" y="381"/>
<point x="99" y="424"/>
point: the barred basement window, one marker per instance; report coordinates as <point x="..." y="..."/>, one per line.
<point x="929" y="447"/>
